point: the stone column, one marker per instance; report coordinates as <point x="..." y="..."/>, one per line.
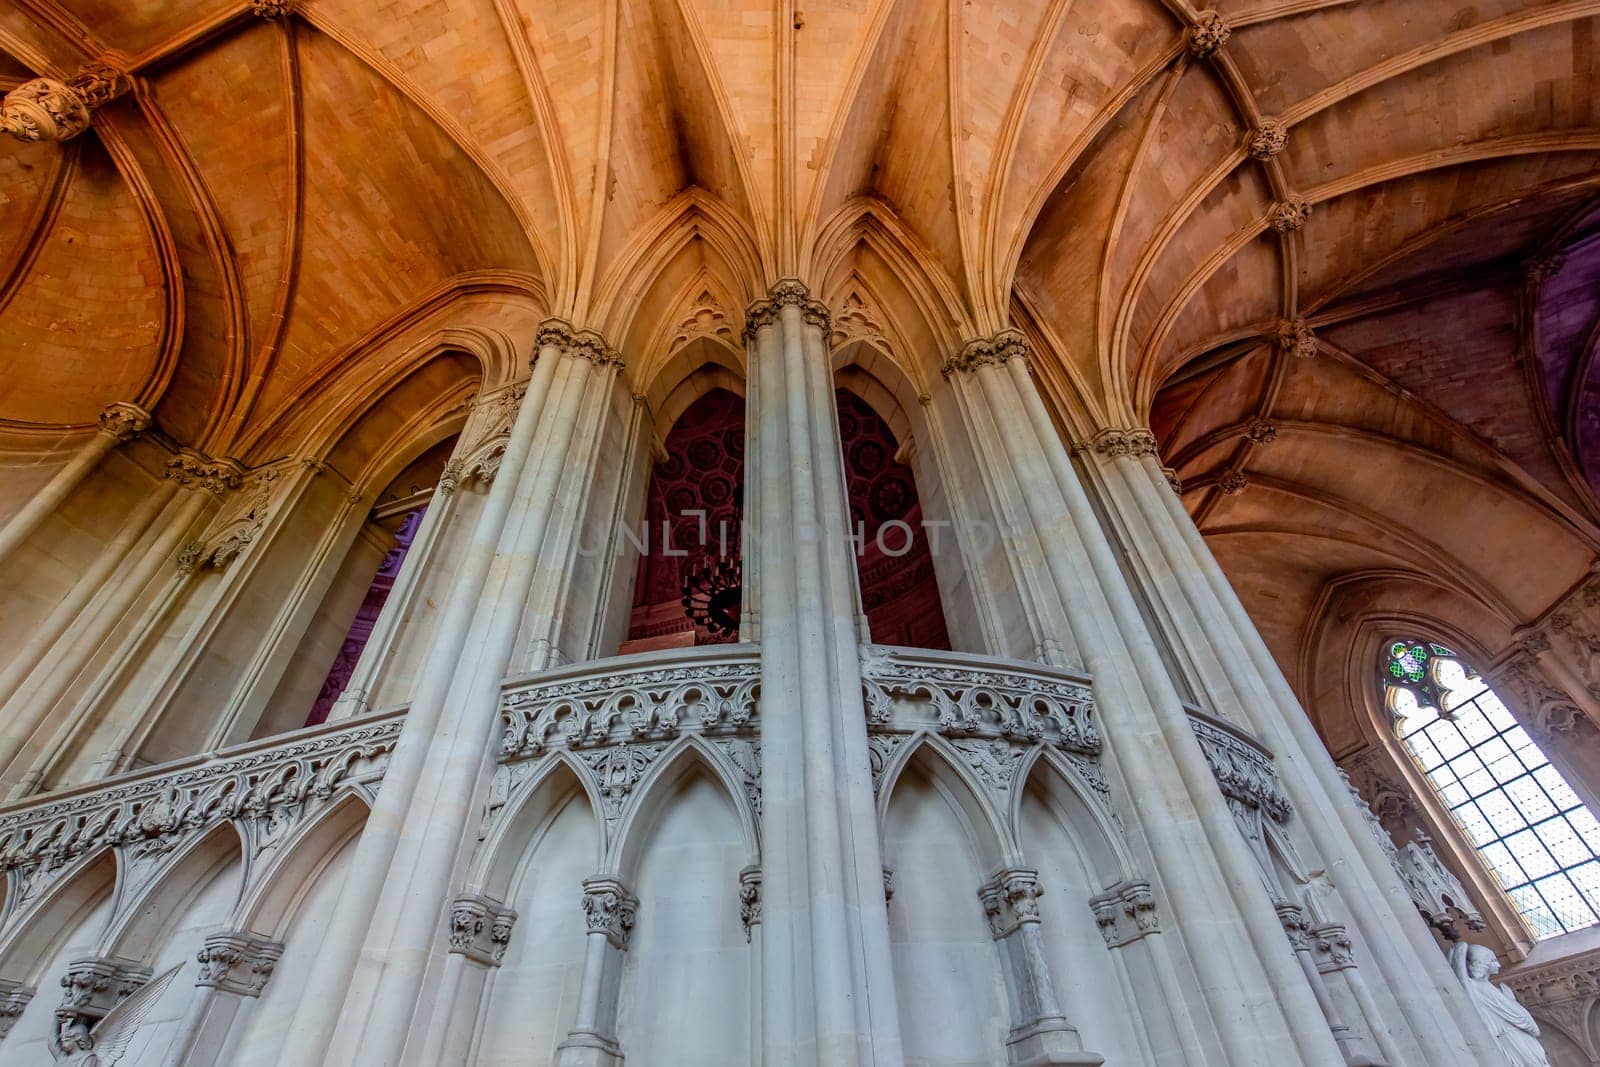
<point x="608" y="911"/>
<point x="480" y="930"/>
<point x="1040" y="1033"/>
<point x="1203" y="613"/>
<point x="119" y="423"/>
<point x="827" y="983"/>
<point x="750" y="915"/>
<point x="1253" y="991"/>
<point x="359" y="1007"/>
<point x="1292" y="916"/>
<point x="234" y="968"/>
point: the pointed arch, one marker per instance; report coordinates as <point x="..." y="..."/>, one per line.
<point x="36" y="931"/>
<point x="278" y="882"/>
<point x="985" y="825"/>
<point x="147" y="908"/>
<point x="530" y="808"/>
<point x="689" y="755"/>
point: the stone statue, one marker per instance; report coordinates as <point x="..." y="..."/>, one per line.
<point x="1513" y="1028"/>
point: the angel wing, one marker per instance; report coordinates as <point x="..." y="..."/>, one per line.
<point x="114" y="1032"/>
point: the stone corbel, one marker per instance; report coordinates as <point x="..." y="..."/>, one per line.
<point x="238" y="961"/>
<point x="14" y="998"/>
<point x="750" y="899"/>
<point x="44" y="109"/>
<point x="480" y="928"/>
<point x="122" y="422"/>
<point x="91" y="988"/>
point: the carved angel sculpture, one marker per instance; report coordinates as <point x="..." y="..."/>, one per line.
<point x="1513" y="1028"/>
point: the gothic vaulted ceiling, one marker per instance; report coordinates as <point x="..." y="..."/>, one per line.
<point x="1341" y="255"/>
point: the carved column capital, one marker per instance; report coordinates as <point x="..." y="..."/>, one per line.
<point x="44" y="109"/>
<point x="192" y="469"/>
<point x="1331" y="946"/>
<point x="1135" y="441"/>
<point x="14" y="998"/>
<point x="553" y="333"/>
<point x="609" y="909"/>
<point x="1125" y="912"/>
<point x="450" y="477"/>
<point x="787" y="292"/>
<point x="750" y="898"/>
<point x="1209" y="33"/>
<point x="993" y="351"/>
<point x="90" y="989"/>
<point x="1293" y="919"/>
<point x="480" y="928"/>
<point x="589" y="345"/>
<point x="123" y="421"/>
<point x="1267" y="139"/>
<point x="1010" y="899"/>
<point x="237" y="961"/>
<point x="1171" y="475"/>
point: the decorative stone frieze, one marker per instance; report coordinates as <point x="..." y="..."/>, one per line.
<point x="1125" y="912"/>
<point x="91" y="988"/>
<point x="1267" y="139"/>
<point x="480" y="928"/>
<point x="237" y="961"/>
<point x="1297" y="338"/>
<point x="1570" y="979"/>
<point x="910" y="689"/>
<point x="123" y="422"/>
<point x="266" y="788"/>
<point x="1242" y="767"/>
<point x="14" y="998"/>
<point x="43" y="109"/>
<point x="994" y="351"/>
<point x="750" y="898"/>
<point x="1136" y="442"/>
<point x="1290" y="214"/>
<point x="1209" y="33"/>
<point x="1262" y="432"/>
<point x="1547" y="711"/>
<point x="609" y="909"/>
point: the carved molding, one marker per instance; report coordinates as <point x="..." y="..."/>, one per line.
<point x="1571" y="979"/>
<point x="1242" y="767"/>
<point x="994" y="351"/>
<point x="788" y="292"/>
<point x="1125" y="912"/>
<point x="705" y="318"/>
<point x="43" y="109"/>
<point x="480" y="928"/>
<point x="196" y="470"/>
<point x="237" y="961"/>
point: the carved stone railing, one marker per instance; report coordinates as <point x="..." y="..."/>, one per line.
<point x="648" y="697"/>
<point x="1241" y="765"/>
<point x="267" y="787"/>
<point x="992" y="712"/>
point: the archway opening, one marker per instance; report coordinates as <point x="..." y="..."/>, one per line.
<point x="893" y="545"/>
<point x="689" y="586"/>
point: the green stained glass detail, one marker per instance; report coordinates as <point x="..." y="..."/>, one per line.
<point x="1409" y="665"/>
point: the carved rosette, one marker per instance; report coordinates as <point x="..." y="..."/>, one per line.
<point x="272" y="9"/>
<point x="749" y="898"/>
<point x="480" y="928"/>
<point x="1137" y="442"/>
<point x="1297" y="338"/>
<point x="1209" y="33"/>
<point x="994" y="351"/>
<point x="238" y="962"/>
<point x="123" y="422"/>
<point x="1233" y="482"/>
<point x="44" y="109"/>
<point x="1289" y="214"/>
<point x="1267" y="139"/>
<point x="609" y="909"/>
<point x="1125" y="912"/>
<point x="1262" y="432"/>
<point x="1010" y="899"/>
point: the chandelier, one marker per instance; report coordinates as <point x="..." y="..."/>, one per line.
<point x="712" y="591"/>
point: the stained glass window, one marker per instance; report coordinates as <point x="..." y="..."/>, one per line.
<point x="1531" y="830"/>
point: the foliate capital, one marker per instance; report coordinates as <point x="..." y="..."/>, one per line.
<point x="553" y="333"/>
<point x="480" y="928"/>
<point x="993" y="351"/>
<point x="192" y="469"/>
<point x="1137" y="442"/>
<point x="1267" y="139"/>
<point x="589" y="345"/>
<point x="1297" y="338"/>
<point x="609" y="909"/>
<point x="236" y="961"/>
<point x="43" y="109"/>
<point x="1209" y="33"/>
<point x="787" y="292"/>
<point x="124" y="421"/>
<point x="1010" y="899"/>
<point x="1125" y="912"/>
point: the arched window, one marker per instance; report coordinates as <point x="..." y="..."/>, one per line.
<point x="1530" y="828"/>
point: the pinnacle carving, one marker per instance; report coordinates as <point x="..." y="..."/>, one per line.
<point x="1297" y="338"/>
<point x="43" y="109"/>
<point x="1268" y="139"/>
<point x="124" y="421"/>
<point x="988" y="352"/>
<point x="1290" y="214"/>
<point x="1209" y="33"/>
